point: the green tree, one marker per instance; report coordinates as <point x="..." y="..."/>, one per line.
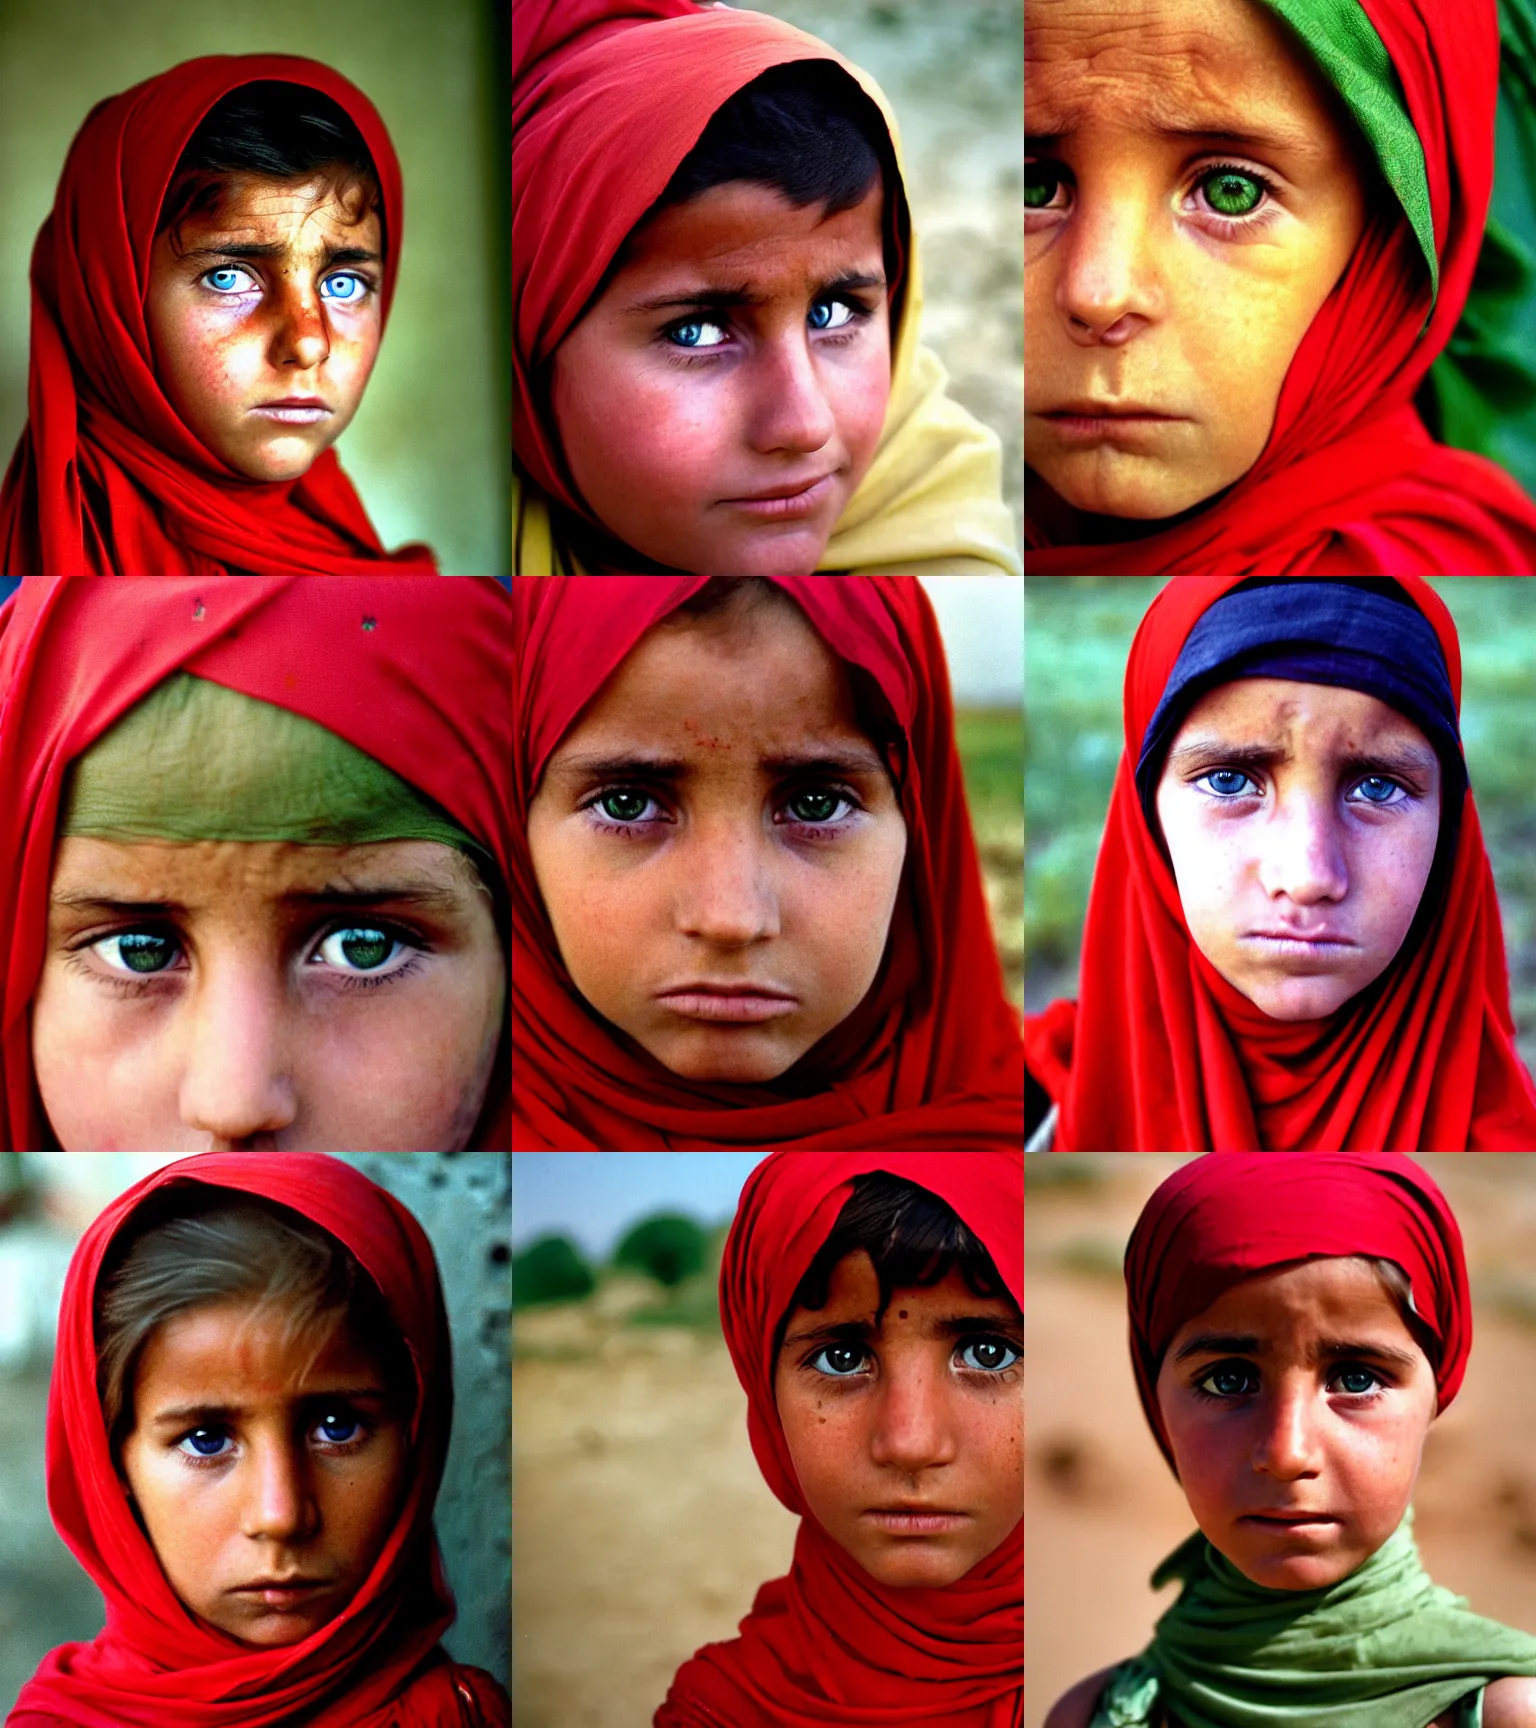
<point x="550" y="1270"/>
<point x="667" y="1247"/>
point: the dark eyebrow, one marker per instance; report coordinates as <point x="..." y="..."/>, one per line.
<point x="233" y="1412"/>
<point x="1402" y="759"/>
<point x="276" y="249"/>
<point x="946" y="1326"/>
<point x="723" y="299"/>
<point x="638" y="765"/>
<point x="1272" y="135"/>
<point x="1324" y="1350"/>
<point x="426" y="895"/>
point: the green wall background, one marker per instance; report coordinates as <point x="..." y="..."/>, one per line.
<point x="428" y="450"/>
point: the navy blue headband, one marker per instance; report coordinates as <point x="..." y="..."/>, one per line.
<point x="1317" y="632"/>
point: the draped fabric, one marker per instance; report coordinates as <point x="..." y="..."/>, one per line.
<point x="107" y="478"/>
<point x="1161" y="1053"/>
<point x="1349" y="481"/>
<point x="829" y="1645"/>
<point x="608" y="98"/>
<point x="1383" y="1646"/>
<point x="379" y="1663"/>
<point x="931" y="1059"/>
<point x="414" y="674"/>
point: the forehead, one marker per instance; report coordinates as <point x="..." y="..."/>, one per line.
<point x="255" y="209"/>
<point x="1158" y="66"/>
<point x="743" y="233"/>
<point x="224" y="1348"/>
<point x="764" y="679"/>
<point x="1317" y="1295"/>
<point x="203" y="872"/>
<point x="855" y="1287"/>
<point x="1276" y="710"/>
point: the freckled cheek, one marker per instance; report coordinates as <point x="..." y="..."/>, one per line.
<point x="642" y="432"/>
<point x="217" y="358"/>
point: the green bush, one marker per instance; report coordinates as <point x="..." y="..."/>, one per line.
<point x="550" y="1270"/>
<point x="668" y="1248"/>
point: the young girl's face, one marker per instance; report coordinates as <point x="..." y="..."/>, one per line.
<point x="741" y="350"/>
<point x="927" y="1413"/>
<point x="717" y="821"/>
<point x="230" y="995"/>
<point x="1296" y="1407"/>
<point x="249" y="1463"/>
<point x="271" y="300"/>
<point x="1170" y="264"/>
<point x="1305" y="810"/>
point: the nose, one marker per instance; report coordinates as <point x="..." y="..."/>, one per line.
<point x="912" y="1430"/>
<point x="236" y="1085"/>
<point x="1302" y="858"/>
<point x="1106" y="290"/>
<point x="724" y="894"/>
<point x="279" y="1505"/>
<point x="790" y="409"/>
<point x="1287" y="1446"/>
<point x="301" y="337"/>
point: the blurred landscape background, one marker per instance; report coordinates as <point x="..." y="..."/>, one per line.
<point x="1102" y="1507"/>
<point x="955" y="77"/>
<point x="1077" y="636"/>
<point x="642" y="1528"/>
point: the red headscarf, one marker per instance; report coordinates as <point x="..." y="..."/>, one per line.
<point x="107" y="480"/>
<point x="827" y="1644"/>
<point x="931" y="1058"/>
<point x="1161" y="1053"/>
<point x="1350" y="483"/>
<point x="1217" y="1221"/>
<point x="378" y="1665"/>
<point x="410" y="672"/>
<point x="595" y="151"/>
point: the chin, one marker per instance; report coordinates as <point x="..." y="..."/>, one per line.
<point x="1299" y="998"/>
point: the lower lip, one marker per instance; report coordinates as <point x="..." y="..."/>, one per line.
<point x="1295" y="1525"/>
<point x="741" y="1010"/>
<point x="289" y="1596"/>
<point x="805" y="503"/>
<point x="916" y="1523"/>
<point x="1296" y="948"/>
<point x="1089" y="428"/>
<point x="294" y="416"/>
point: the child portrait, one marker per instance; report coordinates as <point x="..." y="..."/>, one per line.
<point x="1334" y="1402"/>
<point x="1293" y="940"/>
<point x="1223" y="200"/>
<point x="717" y="301"/>
<point x="211" y="290"/>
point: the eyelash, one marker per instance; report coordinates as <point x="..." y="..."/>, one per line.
<point x="635" y="830"/>
<point x="124" y="986"/>
<point x="675" y="352"/>
<point x="1369" y="803"/>
<point x="365" y="282"/>
<point x="333" y="1448"/>
<point x="1197" y="1386"/>
<point x="1231" y="227"/>
<point x="984" y="1374"/>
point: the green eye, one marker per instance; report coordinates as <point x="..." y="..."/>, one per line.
<point x="140" y="951"/>
<point x="1233" y="194"/>
<point x="363" y="948"/>
<point x="623" y="806"/>
<point x="806" y="800"/>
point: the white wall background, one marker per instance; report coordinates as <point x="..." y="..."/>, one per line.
<point x="982" y="621"/>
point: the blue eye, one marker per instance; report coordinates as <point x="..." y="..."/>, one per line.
<point x="690" y="334"/>
<point x="138" y="952"/>
<point x="1221" y="782"/>
<point x="199" y="1440"/>
<point x="330" y="1423"/>
<point x="828" y="307"/>
<point x="355" y="285"/>
<point x="227" y="279"/>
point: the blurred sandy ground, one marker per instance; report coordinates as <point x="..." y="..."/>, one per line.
<point x="1102" y="1507"/>
<point x="641" y="1527"/>
<point x="954" y="73"/>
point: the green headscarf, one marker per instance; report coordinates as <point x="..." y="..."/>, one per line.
<point x="1383" y="1648"/>
<point x="194" y="760"/>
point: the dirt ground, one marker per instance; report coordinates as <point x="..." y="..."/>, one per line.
<point x="641" y="1527"/>
<point x="1102" y="1508"/>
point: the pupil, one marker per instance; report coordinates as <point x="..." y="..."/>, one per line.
<point x="1037" y="191"/>
<point x="613" y="799"/>
<point x="366" y="948"/>
<point x="143" y="953"/>
<point x="827" y="798"/>
<point x="1233" y="194"/>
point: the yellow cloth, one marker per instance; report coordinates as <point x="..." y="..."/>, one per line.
<point x="931" y="503"/>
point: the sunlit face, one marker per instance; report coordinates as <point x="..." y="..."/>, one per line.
<point x="743" y="348"/>
<point x="249" y="1463"/>
<point x="273" y="300"/>
<point x="241" y="996"/>
<point x="928" y="1412"/>
<point x="1166" y="268"/>
<point x="1296" y="1407"/>
<point x="1296" y="811"/>
<point x="675" y="845"/>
